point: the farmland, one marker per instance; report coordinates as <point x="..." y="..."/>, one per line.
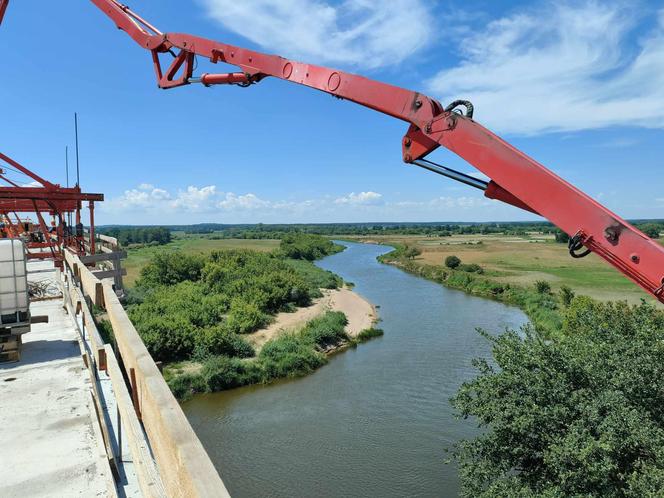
<point x="523" y="260"/>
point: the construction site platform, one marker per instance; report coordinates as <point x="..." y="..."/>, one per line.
<point x="51" y="442"/>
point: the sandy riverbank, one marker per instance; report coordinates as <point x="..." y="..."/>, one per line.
<point x="361" y="315"/>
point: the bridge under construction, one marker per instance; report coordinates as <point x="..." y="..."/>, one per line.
<point x="83" y="417"/>
<point x="86" y="415"/>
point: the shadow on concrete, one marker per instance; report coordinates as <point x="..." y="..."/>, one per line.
<point x="44" y="351"/>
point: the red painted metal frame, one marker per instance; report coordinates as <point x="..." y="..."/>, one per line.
<point x="47" y="198"/>
<point x="516" y="178"/>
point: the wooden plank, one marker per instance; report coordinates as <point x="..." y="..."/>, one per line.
<point x="146" y="471"/>
<point x="11" y="345"/>
<point x="88" y="280"/>
<point x="10" y="356"/>
<point x="108" y="256"/>
<point x="99" y="295"/>
<point x="109" y="240"/>
<point x="92" y="333"/>
<point x="109" y="273"/>
<point x="184" y="466"/>
<point x="101" y="419"/>
<point x="111" y="489"/>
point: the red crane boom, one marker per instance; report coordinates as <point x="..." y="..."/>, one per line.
<point x="515" y="178"/>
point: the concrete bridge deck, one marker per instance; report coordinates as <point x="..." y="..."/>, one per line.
<point x="79" y="417"/>
<point x="51" y="441"/>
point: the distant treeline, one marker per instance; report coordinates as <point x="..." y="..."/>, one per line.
<point x="260" y="231"/>
<point x="142" y="235"/>
<point x="279" y="231"/>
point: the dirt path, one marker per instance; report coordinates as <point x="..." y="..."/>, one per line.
<point x="361" y="315"/>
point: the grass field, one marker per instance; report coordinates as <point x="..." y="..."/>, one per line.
<point x="524" y="260"/>
<point x="509" y="259"/>
<point x="137" y="258"/>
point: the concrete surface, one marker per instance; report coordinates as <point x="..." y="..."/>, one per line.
<point x="50" y="447"/>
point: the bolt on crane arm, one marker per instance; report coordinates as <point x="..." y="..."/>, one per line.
<point x="515" y="178"/>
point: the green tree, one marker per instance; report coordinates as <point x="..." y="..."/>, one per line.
<point x="561" y="237"/>
<point x="578" y="416"/>
<point x="452" y="262"/>
<point x="652" y="230"/>
<point x="411" y="252"/>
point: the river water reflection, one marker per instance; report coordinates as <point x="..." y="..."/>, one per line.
<point x="376" y="420"/>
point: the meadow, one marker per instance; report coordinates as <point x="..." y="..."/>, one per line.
<point x="523" y="260"/>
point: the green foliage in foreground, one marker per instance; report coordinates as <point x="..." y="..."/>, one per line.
<point x="289" y="355"/>
<point x="307" y="246"/>
<point x="543" y="309"/>
<point x="192" y="306"/>
<point x="578" y="416"/>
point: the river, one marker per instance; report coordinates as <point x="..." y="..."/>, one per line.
<point x="376" y="420"/>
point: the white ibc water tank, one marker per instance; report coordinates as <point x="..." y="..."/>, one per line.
<point x="14" y="300"/>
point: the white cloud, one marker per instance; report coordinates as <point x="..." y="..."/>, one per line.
<point x="366" y="198"/>
<point x="357" y="32"/>
<point x="196" y="199"/>
<point x="142" y="197"/>
<point x="199" y="204"/>
<point x="247" y="201"/>
<point x="562" y="67"/>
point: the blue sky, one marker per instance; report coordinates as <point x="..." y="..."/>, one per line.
<point x="579" y="86"/>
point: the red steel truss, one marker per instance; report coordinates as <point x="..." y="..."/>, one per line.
<point x="44" y="198"/>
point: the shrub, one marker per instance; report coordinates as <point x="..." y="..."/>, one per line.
<point x="105" y="331"/>
<point x="245" y="317"/>
<point x="221" y="372"/>
<point x="268" y="282"/>
<point x="577" y="416"/>
<point x="167" y="338"/>
<point x="219" y="341"/>
<point x="543" y="287"/>
<point x="170" y="268"/>
<point x="368" y="334"/>
<point x="566" y="295"/>
<point x="315" y="278"/>
<point x="307" y="246"/>
<point x="184" y="386"/>
<point x="470" y="268"/>
<point x="289" y="356"/>
<point x="326" y="330"/>
<point x="452" y="262"/>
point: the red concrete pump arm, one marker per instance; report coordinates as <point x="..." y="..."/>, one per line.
<point x="515" y="178"/>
